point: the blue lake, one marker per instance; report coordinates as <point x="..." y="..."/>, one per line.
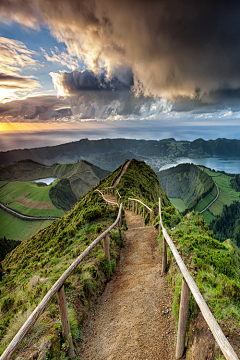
<point x="230" y="165"/>
<point x="47" y="181"/>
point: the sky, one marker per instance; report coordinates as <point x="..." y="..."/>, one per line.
<point x="144" y="69"/>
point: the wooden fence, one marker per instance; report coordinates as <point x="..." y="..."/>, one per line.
<point x="187" y="284"/>
<point x="58" y="288"/>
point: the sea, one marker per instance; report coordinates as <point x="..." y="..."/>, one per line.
<point x="231" y="165"/>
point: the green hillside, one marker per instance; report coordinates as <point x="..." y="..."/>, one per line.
<point x="186" y="182"/>
<point x="29" y="198"/>
<point x="31" y="269"/>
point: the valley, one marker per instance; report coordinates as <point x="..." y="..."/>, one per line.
<point x="19" y="193"/>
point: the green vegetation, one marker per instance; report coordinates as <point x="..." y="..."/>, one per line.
<point x="227" y="194"/>
<point x="179" y="204"/>
<point x="31" y="199"/>
<point x="214" y="266"/>
<point x="15" y="228"/>
<point x="14" y="190"/>
<point x="186" y="182"/>
<point x="32" y="268"/>
<point x="62" y="195"/>
<point x="227" y="225"/>
<point x="6" y="246"/>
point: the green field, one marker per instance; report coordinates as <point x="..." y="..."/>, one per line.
<point x="14" y="189"/>
<point x="36" y="212"/>
<point x="178" y="204"/>
<point x="226" y="197"/>
<point x="18" y="229"/>
<point x="204" y="202"/>
<point x="208" y="217"/>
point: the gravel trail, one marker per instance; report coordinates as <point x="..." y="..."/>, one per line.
<point x="134" y="318"/>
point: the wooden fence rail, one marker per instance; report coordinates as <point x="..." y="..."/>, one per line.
<point x="58" y="289"/>
<point x="189" y="284"/>
<point x="107" y="201"/>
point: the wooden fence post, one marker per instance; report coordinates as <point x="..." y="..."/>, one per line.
<point x="66" y="333"/>
<point x="143" y="213"/>
<point x="134" y="206"/>
<point x="106" y="248"/>
<point x="164" y="255"/>
<point x="137" y="208"/>
<point x="183" y="318"/>
<point x="128" y="204"/>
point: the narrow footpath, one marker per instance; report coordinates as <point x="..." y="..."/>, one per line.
<point x="134" y="319"/>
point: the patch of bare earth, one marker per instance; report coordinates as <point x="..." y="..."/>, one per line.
<point x="134" y="318"/>
<point x="34" y="204"/>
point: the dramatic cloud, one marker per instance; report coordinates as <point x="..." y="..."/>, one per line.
<point x="61" y="57"/>
<point x="14" y="56"/>
<point x="36" y="109"/>
<point x="173" y="47"/>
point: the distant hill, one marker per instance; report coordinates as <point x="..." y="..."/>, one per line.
<point x="82" y="175"/>
<point x="186" y="182"/>
<point x="74" y="180"/>
<point x="110" y="153"/>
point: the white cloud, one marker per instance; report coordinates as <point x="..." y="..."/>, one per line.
<point x="14" y="56"/>
<point x="63" y="58"/>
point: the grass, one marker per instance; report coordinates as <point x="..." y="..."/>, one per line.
<point x="18" y="229"/>
<point x="35" y="265"/>
<point x="15" y="189"/>
<point x="213" y="265"/>
<point x="178" y="203"/>
<point x="29" y="191"/>
<point x="36" y="212"/>
<point x="208" y="217"/>
<point x="226" y="197"/>
<point x="204" y="202"/>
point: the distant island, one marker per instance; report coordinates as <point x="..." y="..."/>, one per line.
<point x="110" y="153"/>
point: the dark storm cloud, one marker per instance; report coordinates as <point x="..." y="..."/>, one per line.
<point x="75" y="81"/>
<point x="172" y="46"/>
<point x="37" y="109"/>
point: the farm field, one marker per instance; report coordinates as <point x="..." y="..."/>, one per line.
<point x="29" y="199"/>
<point x="18" y="229"/>
<point x="204" y="202"/>
<point x="226" y="197"/>
<point x="178" y="203"/>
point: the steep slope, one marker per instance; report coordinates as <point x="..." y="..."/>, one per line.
<point x="186" y="182"/>
<point x="29" y="199"/>
<point x="31" y="268"/>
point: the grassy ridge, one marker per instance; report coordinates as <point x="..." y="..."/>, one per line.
<point x="186" y="182"/>
<point x="33" y="267"/>
<point x="215" y="268"/>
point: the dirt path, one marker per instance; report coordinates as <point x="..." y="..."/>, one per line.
<point x="134" y="319"/>
<point x="122" y="172"/>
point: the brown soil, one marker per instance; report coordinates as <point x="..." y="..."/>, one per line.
<point x="122" y="172"/>
<point x="134" y="318"/>
<point x="33" y="203"/>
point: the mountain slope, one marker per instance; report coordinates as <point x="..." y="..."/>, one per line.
<point x="32" y="268"/>
<point x="186" y="182"/>
<point x="109" y="153"/>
